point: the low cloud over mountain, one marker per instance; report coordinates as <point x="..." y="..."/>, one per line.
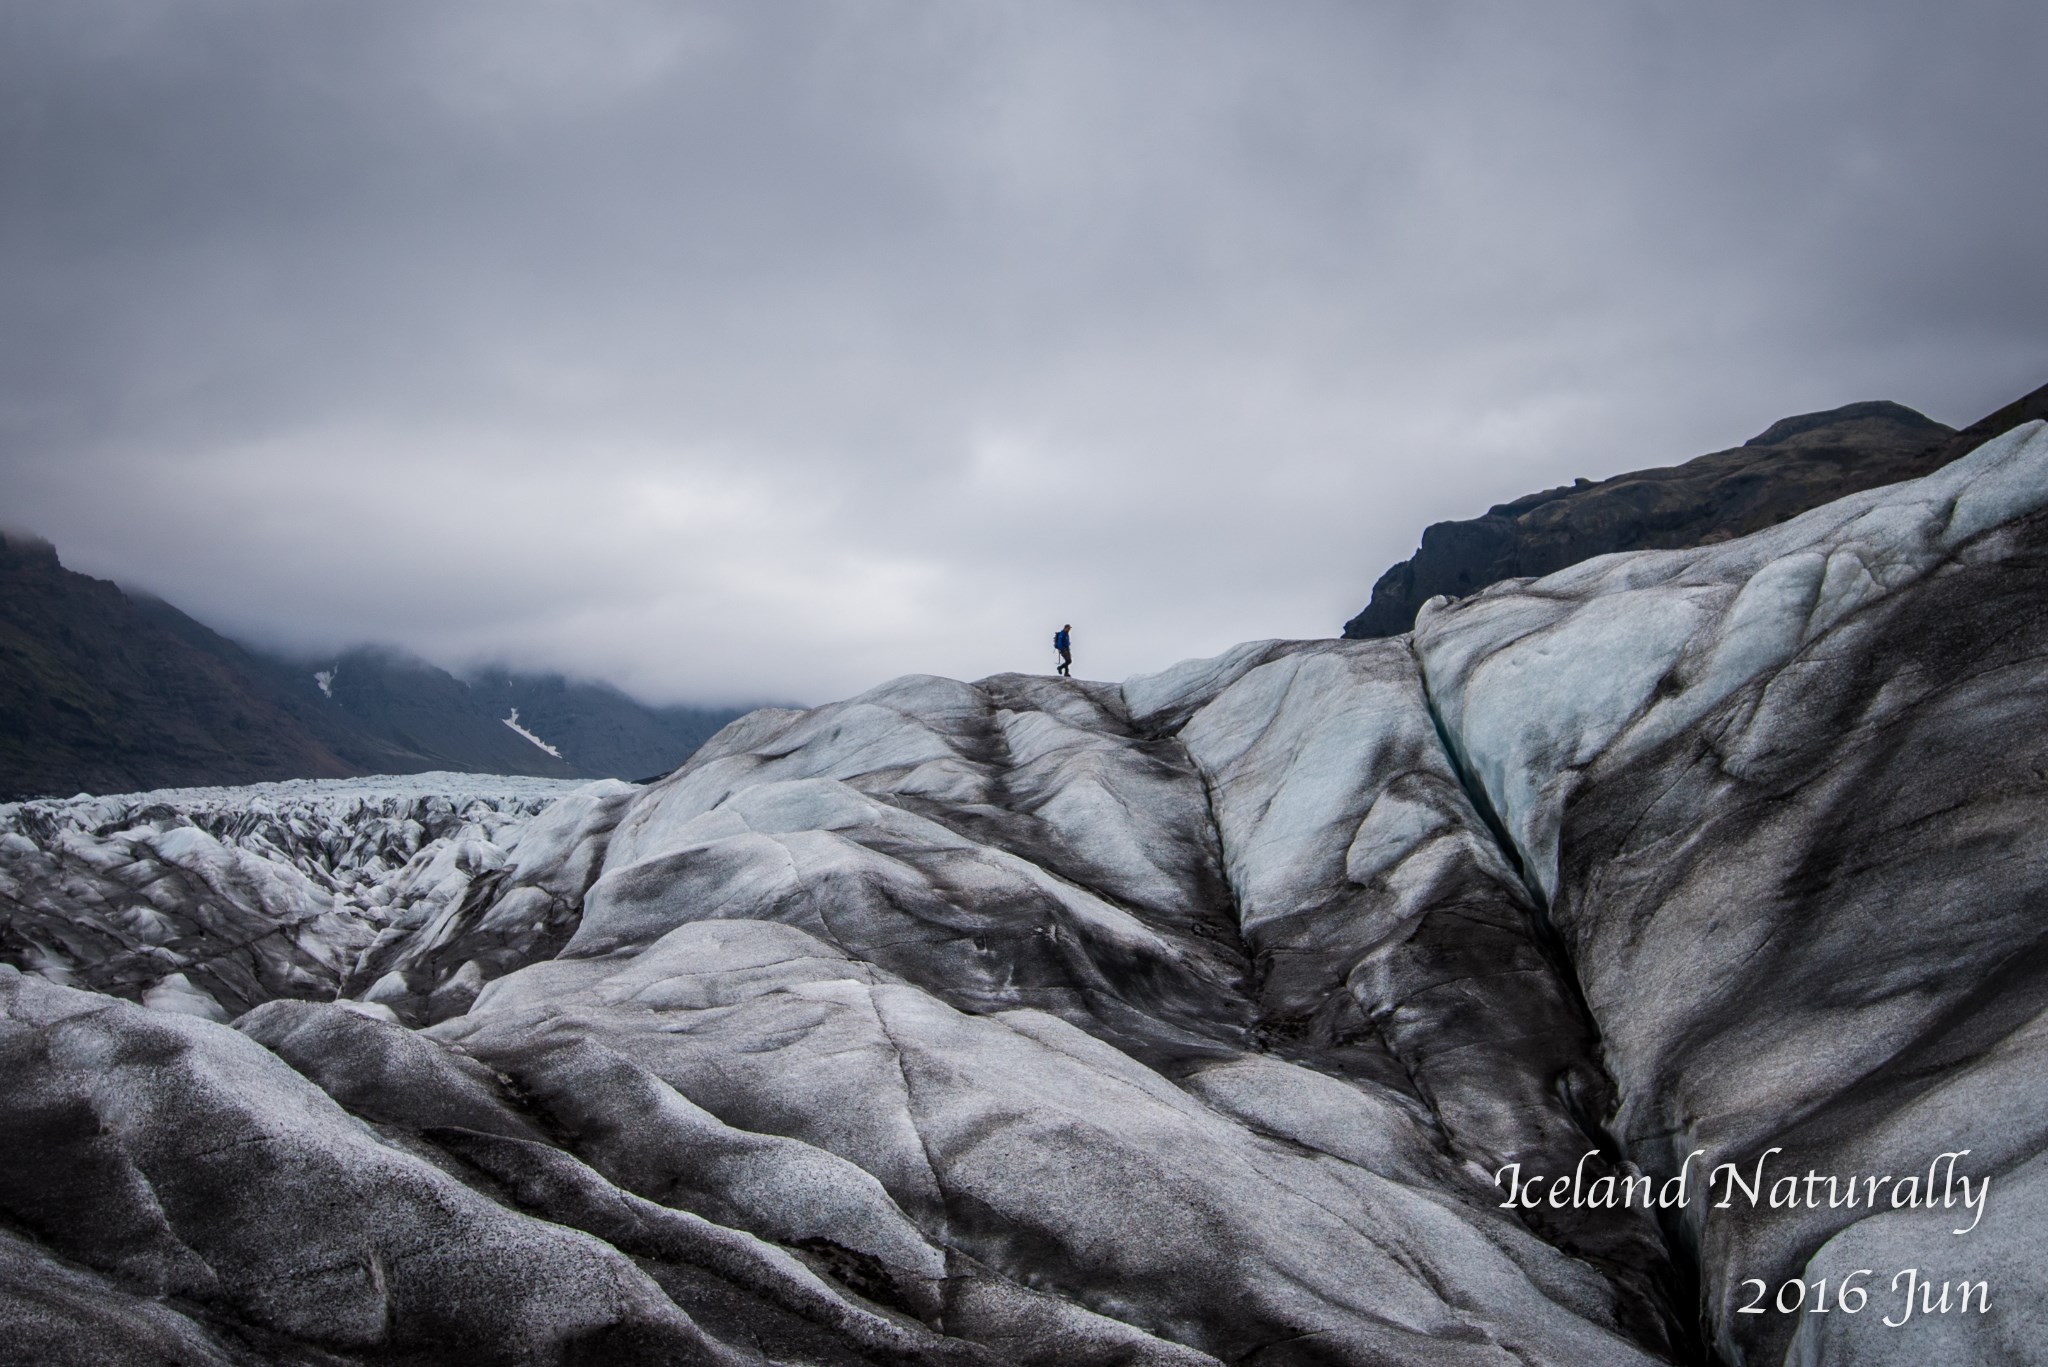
<point x="106" y="691"/>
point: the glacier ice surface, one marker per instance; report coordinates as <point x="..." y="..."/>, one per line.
<point x="1038" y="1020"/>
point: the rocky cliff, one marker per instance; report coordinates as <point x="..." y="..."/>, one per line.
<point x="1415" y="1000"/>
<point x="1794" y="465"/>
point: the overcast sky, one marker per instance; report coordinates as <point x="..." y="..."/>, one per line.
<point x="734" y="351"/>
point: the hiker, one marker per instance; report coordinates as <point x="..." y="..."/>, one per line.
<point x="1063" y="642"/>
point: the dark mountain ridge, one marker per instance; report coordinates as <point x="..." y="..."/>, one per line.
<point x="97" y="694"/>
<point x="103" y="690"/>
<point x="1795" y="464"/>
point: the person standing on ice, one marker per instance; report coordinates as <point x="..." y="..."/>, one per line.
<point x="1063" y="642"/>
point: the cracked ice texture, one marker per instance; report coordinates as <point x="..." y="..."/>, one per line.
<point x="238" y="895"/>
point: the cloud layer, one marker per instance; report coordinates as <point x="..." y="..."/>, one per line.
<point x="737" y="350"/>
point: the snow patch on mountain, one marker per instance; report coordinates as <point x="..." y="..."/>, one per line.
<point x="513" y="722"/>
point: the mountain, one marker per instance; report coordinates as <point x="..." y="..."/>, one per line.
<point x="96" y="693"/>
<point x="601" y="729"/>
<point x="1796" y="464"/>
<point x="496" y="721"/>
<point x="102" y="690"/>
<point x="1641" y="964"/>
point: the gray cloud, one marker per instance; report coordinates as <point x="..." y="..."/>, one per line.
<point x="767" y="350"/>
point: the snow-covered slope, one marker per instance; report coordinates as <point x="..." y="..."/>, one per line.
<point x="1037" y="1020"/>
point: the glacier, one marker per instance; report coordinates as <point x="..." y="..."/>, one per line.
<point x="1185" y="1020"/>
